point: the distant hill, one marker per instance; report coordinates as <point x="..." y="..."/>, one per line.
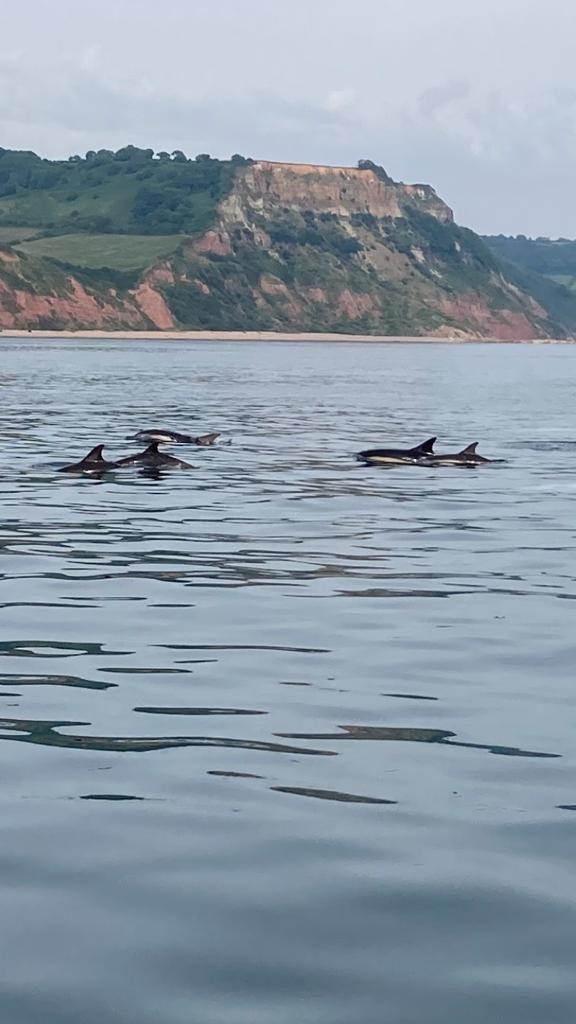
<point x="554" y="258"/>
<point x="144" y="240"/>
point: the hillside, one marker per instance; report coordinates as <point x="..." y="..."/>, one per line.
<point x="36" y="293"/>
<point x="553" y="258"/>
<point x="137" y="240"/>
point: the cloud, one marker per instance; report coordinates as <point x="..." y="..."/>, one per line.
<point x="80" y="99"/>
<point x="435" y="99"/>
<point x="455" y="94"/>
<point x="340" y="99"/>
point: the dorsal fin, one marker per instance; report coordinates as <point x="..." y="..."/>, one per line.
<point x="152" y="449"/>
<point x="427" y="447"/>
<point x="95" y="455"/>
<point x="470" y="449"/>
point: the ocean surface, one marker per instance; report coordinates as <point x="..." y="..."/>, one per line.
<point x="286" y="739"/>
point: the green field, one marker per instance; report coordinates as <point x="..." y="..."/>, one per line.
<point x="118" y="252"/>
<point x="566" y="279"/>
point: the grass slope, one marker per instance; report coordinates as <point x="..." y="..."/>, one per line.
<point x="118" y="252"/>
<point x="543" y="267"/>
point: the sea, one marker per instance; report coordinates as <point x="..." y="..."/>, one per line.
<point x="286" y="739"/>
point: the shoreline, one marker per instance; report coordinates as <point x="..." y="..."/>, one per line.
<point x="274" y="336"/>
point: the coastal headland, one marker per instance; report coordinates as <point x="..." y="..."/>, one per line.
<point x="133" y="243"/>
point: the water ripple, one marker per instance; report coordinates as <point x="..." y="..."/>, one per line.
<point x="279" y="590"/>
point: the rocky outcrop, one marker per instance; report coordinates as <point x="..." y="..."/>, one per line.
<point x="342" y="191"/>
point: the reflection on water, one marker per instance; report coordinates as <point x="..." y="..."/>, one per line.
<point x="273" y="594"/>
<point x="51" y="679"/>
<point x="331" y="794"/>
<point x="46" y="734"/>
<point x="48" y="648"/>
<point x="410" y="696"/>
<point x="110" y="796"/>
<point x="199" y="711"/>
<point x="363" y="732"/>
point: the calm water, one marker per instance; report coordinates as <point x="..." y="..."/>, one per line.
<point x="287" y="740"/>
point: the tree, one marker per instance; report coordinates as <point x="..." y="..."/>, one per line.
<point x="369" y="165"/>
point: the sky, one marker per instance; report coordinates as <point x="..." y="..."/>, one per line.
<point x="475" y="97"/>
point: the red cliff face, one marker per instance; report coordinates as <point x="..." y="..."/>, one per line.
<point x="483" y="322"/>
<point x="62" y="302"/>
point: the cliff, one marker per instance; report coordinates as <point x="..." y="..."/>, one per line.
<point x="300" y="247"/>
<point x="341" y="191"/>
<point x="39" y="294"/>
<point x="292" y="247"/>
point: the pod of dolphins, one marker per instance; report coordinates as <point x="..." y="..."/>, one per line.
<point x="152" y="460"/>
<point x="423" y="455"/>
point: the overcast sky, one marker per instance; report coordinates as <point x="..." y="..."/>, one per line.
<point x="476" y="97"/>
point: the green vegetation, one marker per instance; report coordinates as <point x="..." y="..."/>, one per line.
<point x="118" y="252"/>
<point x="34" y="276"/>
<point x="460" y="250"/>
<point x="369" y="165"/>
<point x="321" y="232"/>
<point x="554" y="258"/>
<point x="558" y="301"/>
<point x="543" y="267"/>
<point x="132" y="191"/>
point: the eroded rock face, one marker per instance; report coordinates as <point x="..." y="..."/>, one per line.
<point x="21" y="308"/>
<point x="152" y="306"/>
<point x="63" y="302"/>
<point x="342" y="191"/>
<point x="214" y="242"/>
<point x="483" y="322"/>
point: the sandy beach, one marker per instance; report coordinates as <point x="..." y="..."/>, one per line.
<point x="268" y="336"/>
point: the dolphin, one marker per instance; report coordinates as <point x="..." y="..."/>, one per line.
<point x="174" y="437"/>
<point x="93" y="463"/>
<point x="395" y="456"/>
<point x="467" y="457"/>
<point x="205" y="440"/>
<point x="153" y="458"/>
<point x="162" y="436"/>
